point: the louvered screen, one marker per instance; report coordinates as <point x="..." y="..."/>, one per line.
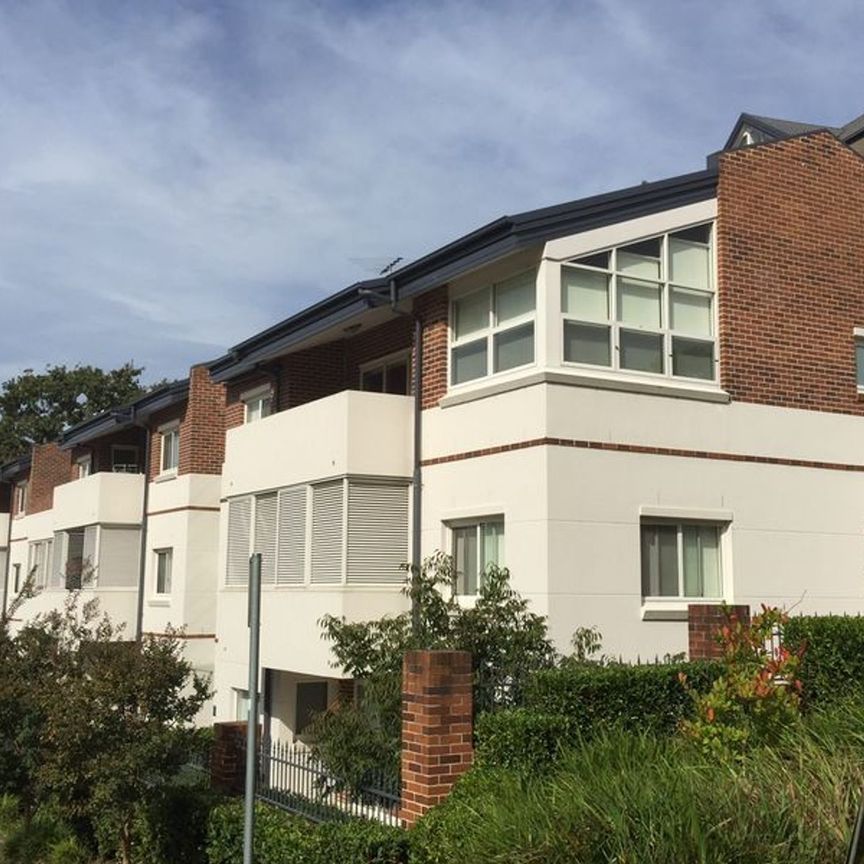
<point x="239" y="530"/>
<point x="89" y="564"/>
<point x="265" y="535"/>
<point x="291" y="568"/>
<point x="377" y="532"/>
<point x="119" y="551"/>
<point x="327" y="541"/>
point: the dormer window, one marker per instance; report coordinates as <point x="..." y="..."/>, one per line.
<point x="258" y="403"/>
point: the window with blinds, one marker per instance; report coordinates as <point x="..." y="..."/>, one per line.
<point x="327" y="534"/>
<point x="377" y="532"/>
<point x="265" y="535"/>
<point x="239" y="536"/>
<point x="291" y="557"/>
<point x="119" y="556"/>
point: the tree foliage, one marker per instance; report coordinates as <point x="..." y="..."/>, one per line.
<point x="97" y="726"/>
<point x="36" y="407"/>
<point x="505" y="639"/>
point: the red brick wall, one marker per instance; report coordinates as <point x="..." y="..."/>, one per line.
<point x="790" y="239"/>
<point x="228" y="758"/>
<point x="432" y="308"/>
<point x="100" y="450"/>
<point x="390" y="338"/>
<point x="437" y="727"/>
<point x="51" y="467"/>
<point x="704" y="621"/>
<point x="202" y="432"/>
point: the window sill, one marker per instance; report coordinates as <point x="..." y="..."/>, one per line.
<point x="165" y="477"/>
<point x="159" y="601"/>
<point x="583" y="378"/>
<point x="673" y="609"/>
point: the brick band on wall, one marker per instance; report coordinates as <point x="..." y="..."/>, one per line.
<point x="704" y="622"/>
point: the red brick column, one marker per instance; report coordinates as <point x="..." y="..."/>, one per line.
<point x="228" y="758"/>
<point x="704" y="621"/>
<point x="437" y="727"/>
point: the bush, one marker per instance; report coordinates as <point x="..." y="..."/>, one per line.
<point x="43" y="839"/>
<point x="832" y="667"/>
<point x="631" y="797"/>
<point x="520" y="739"/>
<point x="284" y="839"/>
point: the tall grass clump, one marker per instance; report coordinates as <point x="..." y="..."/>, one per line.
<point x="625" y="797"/>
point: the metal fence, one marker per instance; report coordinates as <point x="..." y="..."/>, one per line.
<point x="295" y="779"/>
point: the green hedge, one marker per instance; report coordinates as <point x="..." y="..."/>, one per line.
<point x="284" y="839"/>
<point x="567" y="705"/>
<point x="833" y="664"/>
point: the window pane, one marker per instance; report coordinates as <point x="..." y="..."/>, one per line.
<point x="659" y="561"/>
<point x="514" y="347"/>
<point x="639" y="303"/>
<point x="465" y="555"/>
<point x="598" y="259"/>
<point x="691" y="312"/>
<point x="471" y="313"/>
<point x="859" y="360"/>
<point x="163" y="572"/>
<point x="469" y="361"/>
<point x="701" y="561"/>
<point x="397" y="379"/>
<point x="266" y="406"/>
<point x="690" y="263"/>
<point x="692" y="562"/>
<point x="492" y="549"/>
<point x="515" y="297"/>
<point x="710" y="561"/>
<point x="642" y="352"/>
<point x="691" y="359"/>
<point x="373" y="380"/>
<point x="586" y="343"/>
<point x="585" y="294"/>
<point x="640" y="259"/>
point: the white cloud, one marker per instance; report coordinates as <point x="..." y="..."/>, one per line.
<point x="175" y="176"/>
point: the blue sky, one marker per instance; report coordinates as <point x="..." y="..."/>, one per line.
<point x="175" y="176"/>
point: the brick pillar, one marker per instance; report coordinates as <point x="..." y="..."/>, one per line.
<point x="228" y="758"/>
<point x="437" y="727"/>
<point x="704" y="621"/>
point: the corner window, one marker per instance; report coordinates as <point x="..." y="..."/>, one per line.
<point x="492" y="330"/>
<point x="124" y="460"/>
<point x="84" y="466"/>
<point x="644" y="307"/>
<point x="257" y="404"/>
<point x="475" y="546"/>
<point x="164" y="559"/>
<point x="170" y="448"/>
<point x="21" y="498"/>
<point x="386" y="376"/>
<point x="681" y="560"/>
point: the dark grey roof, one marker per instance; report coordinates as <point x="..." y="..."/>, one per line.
<point x="493" y="241"/>
<point x="15" y="467"/>
<point x="852" y="130"/>
<point x="126" y="416"/>
<point x="774" y="127"/>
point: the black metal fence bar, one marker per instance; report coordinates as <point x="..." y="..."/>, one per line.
<point x="293" y="778"/>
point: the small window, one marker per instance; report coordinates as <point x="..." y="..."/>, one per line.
<point x="164" y="560"/>
<point x="681" y="560"/>
<point x="21" y="497"/>
<point x="476" y="546"/>
<point x="390" y="376"/>
<point x="170" y="449"/>
<point x="492" y="330"/>
<point x="124" y="460"/>
<point x="258" y="404"/>
<point x="84" y="466"/>
<point x="311" y="700"/>
<point x="16" y="576"/>
<point x="859" y="358"/>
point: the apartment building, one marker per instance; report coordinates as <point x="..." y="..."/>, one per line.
<point x="125" y="509"/>
<point x="633" y="401"/>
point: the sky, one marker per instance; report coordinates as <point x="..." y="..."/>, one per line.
<point x="177" y="175"/>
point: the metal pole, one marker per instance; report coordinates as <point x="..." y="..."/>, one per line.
<point x="254" y="623"/>
<point x="417" y="480"/>
<point x="142" y="551"/>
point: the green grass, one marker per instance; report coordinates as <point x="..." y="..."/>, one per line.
<point x="629" y="798"/>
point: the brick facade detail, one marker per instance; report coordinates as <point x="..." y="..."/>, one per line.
<point x="228" y="758"/>
<point x="704" y="622"/>
<point x="790" y="242"/>
<point x="50" y="467"/>
<point x="433" y="310"/>
<point x="437" y="729"/>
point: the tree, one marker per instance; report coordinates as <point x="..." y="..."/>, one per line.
<point x="109" y="720"/>
<point x="505" y="639"/>
<point x="36" y="407"/>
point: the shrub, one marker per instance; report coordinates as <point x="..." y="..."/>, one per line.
<point x="832" y="667"/>
<point x="520" y="739"/>
<point x="43" y="839"/>
<point x="284" y="839"/>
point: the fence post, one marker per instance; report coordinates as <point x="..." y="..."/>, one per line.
<point x="704" y="621"/>
<point x="437" y="727"/>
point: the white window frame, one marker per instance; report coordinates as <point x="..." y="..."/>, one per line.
<point x="84" y="465"/>
<point x="165" y="432"/>
<point x="491" y="330"/>
<point x="476" y="522"/>
<point x="115" y="448"/>
<point x="397" y="358"/>
<point x="858" y="339"/>
<point x="257" y="396"/>
<point x="22" y="498"/>
<point x="167" y="551"/>
<point x="665" y="331"/>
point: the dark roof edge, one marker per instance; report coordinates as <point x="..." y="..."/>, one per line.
<point x="15" y="467"/>
<point x="493" y="240"/>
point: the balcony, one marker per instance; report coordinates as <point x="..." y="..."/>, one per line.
<point x="349" y="433"/>
<point x="104" y="498"/>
